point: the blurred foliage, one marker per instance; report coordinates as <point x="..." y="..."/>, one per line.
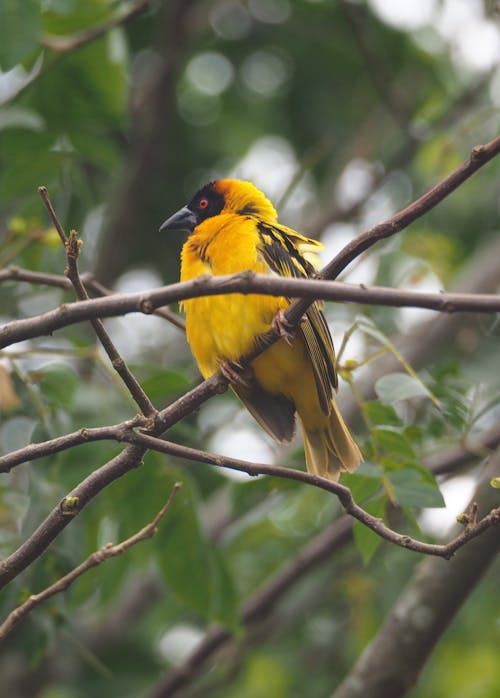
<point x="342" y="118"/>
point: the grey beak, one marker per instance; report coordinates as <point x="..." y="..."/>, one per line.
<point x="184" y="219"/>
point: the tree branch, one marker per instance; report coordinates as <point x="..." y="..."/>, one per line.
<point x="64" y="512"/>
<point x="480" y="155"/>
<point x="13" y="273"/>
<point x="146" y="303"/>
<point x="264" y="600"/>
<point x="258" y="605"/>
<point x="393" y="660"/>
<point x="132" y="455"/>
<point x="72" y="504"/>
<point x="343" y="493"/>
<point x="97" y="558"/>
<point x="247" y="282"/>
<point x="72" y="248"/>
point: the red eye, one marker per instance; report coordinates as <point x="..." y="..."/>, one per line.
<point x="203" y="203"/>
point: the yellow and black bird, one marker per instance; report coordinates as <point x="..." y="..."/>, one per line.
<point x="233" y="227"/>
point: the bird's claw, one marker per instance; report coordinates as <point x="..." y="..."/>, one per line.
<point x="236" y="373"/>
<point x="283" y="327"/>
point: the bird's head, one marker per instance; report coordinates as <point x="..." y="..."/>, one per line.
<point x="222" y="197"/>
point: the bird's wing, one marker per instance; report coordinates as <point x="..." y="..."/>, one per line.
<point x="287" y="253"/>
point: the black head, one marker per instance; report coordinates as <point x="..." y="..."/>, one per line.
<point x="207" y="202"/>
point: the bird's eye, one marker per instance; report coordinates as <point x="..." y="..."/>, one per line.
<point x="203" y="203"/>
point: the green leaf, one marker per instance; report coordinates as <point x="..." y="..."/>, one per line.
<point x="362" y="487"/>
<point x="66" y="17"/>
<point x="393" y="443"/>
<point x="414" y="488"/>
<point x="366" y="540"/>
<point x="225" y="607"/>
<point x="161" y="384"/>
<point x="184" y="556"/>
<point x="192" y="568"/>
<point x="382" y="414"/>
<point x="58" y="382"/>
<point x="399" y="386"/>
<point x="19" y="31"/>
<point x="16" y="433"/>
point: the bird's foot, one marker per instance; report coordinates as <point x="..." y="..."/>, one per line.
<point x="283" y="327"/>
<point x="236" y="373"/>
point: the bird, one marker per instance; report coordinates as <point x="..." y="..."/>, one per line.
<point x="233" y="227"/>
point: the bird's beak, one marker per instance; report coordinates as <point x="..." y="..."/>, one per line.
<point x="184" y="219"/>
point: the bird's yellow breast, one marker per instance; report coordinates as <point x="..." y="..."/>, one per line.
<point x="224" y="327"/>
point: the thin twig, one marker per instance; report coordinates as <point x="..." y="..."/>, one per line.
<point x="264" y="600"/>
<point x="67" y="441"/>
<point x="343" y="493"/>
<point x="97" y="558"/>
<point x="480" y="155"/>
<point x="72" y="248"/>
<point x="127" y="433"/>
<point x="64" y="44"/>
<point x="12" y="273"/>
<point x="65" y="511"/>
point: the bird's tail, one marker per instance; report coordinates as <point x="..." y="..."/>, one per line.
<point x="331" y="449"/>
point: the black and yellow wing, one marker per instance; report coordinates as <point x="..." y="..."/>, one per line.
<point x="288" y="253"/>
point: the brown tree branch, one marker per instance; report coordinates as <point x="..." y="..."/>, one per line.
<point x="53" y="320"/>
<point x="264" y="600"/>
<point x="72" y="504"/>
<point x="471" y="530"/>
<point x="12" y="273"/>
<point x="97" y="558"/>
<point x="334" y="537"/>
<point x="441" y="463"/>
<point x="148" y="302"/>
<point x="393" y="660"/>
<point x="63" y="443"/>
<point x="132" y="455"/>
<point x="69" y="507"/>
<point x="48" y="322"/>
<point x="480" y="155"/>
<point x="72" y="248"/>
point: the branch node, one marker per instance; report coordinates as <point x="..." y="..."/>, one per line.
<point x="247" y="276"/>
<point x="146" y="306"/>
<point x="118" y="363"/>
<point x="477" y="152"/>
<point x="469" y="516"/>
<point x="73" y="245"/>
<point x="70" y="506"/>
<point x="222" y="384"/>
